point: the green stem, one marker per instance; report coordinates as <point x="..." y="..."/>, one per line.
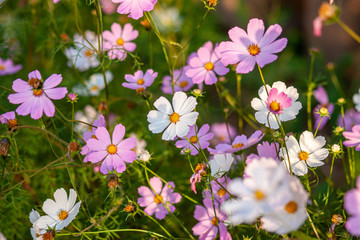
<point x="349" y="30"/>
<point x="317" y="128"/>
<point x="238" y="91"/>
<point x="116" y="230"/>
<point x="309" y="92"/>
<point x="329" y="181"/>
<point x="72" y="123"/>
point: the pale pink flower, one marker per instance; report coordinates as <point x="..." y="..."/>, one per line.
<point x="136" y="8"/>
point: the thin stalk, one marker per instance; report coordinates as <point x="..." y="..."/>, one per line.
<point x="72" y="123"/>
<point x="317" y="128"/>
<point x="238" y="92"/>
<point x="347" y="29"/>
<point x="329" y="181"/>
<point x="309" y="92"/>
<point x="312" y="225"/>
<point x="114" y="230"/>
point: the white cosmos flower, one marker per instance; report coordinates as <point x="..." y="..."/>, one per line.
<point x="35" y="231"/>
<point x="289" y="208"/>
<point x="254" y="194"/>
<point x="94" y="85"/>
<point x="61" y="211"/>
<point x="309" y="152"/>
<point x="89" y="115"/>
<point x="281" y="101"/>
<point x="176" y="118"/>
<point x="83" y="56"/>
<point x="356" y="100"/>
<point x="220" y="164"/>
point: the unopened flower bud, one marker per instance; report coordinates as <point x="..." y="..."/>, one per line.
<point x="276" y="134"/>
<point x="335" y="148"/>
<point x="4" y="146"/>
<point x="338" y="130"/>
<point x="72" y="97"/>
<point x="145" y="24"/>
<point x="323" y="111"/>
<point x="330" y="66"/>
<point x="328" y="12"/>
<point x="211" y="3"/>
<point x="201" y="167"/>
<point x="341" y="101"/>
<point x="197" y="92"/>
<point x="64" y="37"/>
<point x="144" y="156"/>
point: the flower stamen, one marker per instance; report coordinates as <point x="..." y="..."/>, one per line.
<point x="238" y="145"/>
<point x="209" y="66"/>
<point x="214" y="221"/>
<point x="275" y="106"/>
<point x="183" y="84"/>
<point x="291" y="207"/>
<point x="193" y="139"/>
<point x="112" y="149"/>
<point x="63" y="215"/>
<point x="140" y="81"/>
<point x="174" y="117"/>
<point x="303" y="155"/>
<point x="37" y="92"/>
<point x="120" y="42"/>
<point x="254" y="49"/>
<point x="259" y="195"/>
<point x="158" y="199"/>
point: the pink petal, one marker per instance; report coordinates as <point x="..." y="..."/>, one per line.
<point x="52" y="81"/>
<point x="118" y="164"/>
<point x="103" y="135"/>
<point x="56" y="93"/>
<point x="246" y="65"/>
<point x="270" y="35"/>
<point x="317" y="25"/>
<point x="118" y="134"/>
<point x="20" y="85"/>
<point x="255" y="30"/>
<point x="265" y="58"/>
<point x="37" y="108"/>
<point x="156" y="184"/>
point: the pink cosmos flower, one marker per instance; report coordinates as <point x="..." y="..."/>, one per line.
<point x="115" y="151"/>
<point x="352" y="206"/>
<point x="139" y="81"/>
<point x="205" y="63"/>
<point x="219" y="193"/>
<point x="85" y="150"/>
<point x="7" y="67"/>
<point x="56" y="1"/>
<point x="327" y="13"/>
<point x="322" y="97"/>
<point x="4" y="118"/>
<point x="34" y="95"/>
<point x="118" y="41"/>
<point x="253" y="47"/>
<point x="208" y="226"/>
<point x="240" y="142"/>
<point x="353" y="138"/>
<point x="199" y="171"/>
<point x="182" y="82"/>
<point x="222" y="132"/>
<point x="136" y="8"/>
<point x="107" y="6"/>
<point x="281" y="102"/>
<point x="202" y="137"/>
<point x="156" y="202"/>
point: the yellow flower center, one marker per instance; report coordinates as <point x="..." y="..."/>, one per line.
<point x="120" y="42"/>
<point x="140" y="81"/>
<point x="291" y="207"/>
<point x="174" y="117"/>
<point x="2" y="67"/>
<point x="238" y="145"/>
<point x="158" y="199"/>
<point x="193" y="139"/>
<point x="183" y="84"/>
<point x="214" y="221"/>
<point x="275" y="106"/>
<point x="303" y="155"/>
<point x="209" y="66"/>
<point x="221" y="192"/>
<point x="63" y="215"/>
<point x="37" y="92"/>
<point x="12" y="123"/>
<point x="94" y="88"/>
<point x="88" y="53"/>
<point x="112" y="149"/>
<point x="259" y="195"/>
<point x="254" y="49"/>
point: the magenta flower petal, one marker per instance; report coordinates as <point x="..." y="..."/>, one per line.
<point x="118" y="134"/>
<point x="20" y="86"/>
<point x="103" y="135"/>
<point x="118" y="163"/>
<point x="52" y="81"/>
<point x="156" y="184"/>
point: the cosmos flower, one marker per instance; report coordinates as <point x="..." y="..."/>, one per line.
<point x="353" y="138"/>
<point x="140" y="144"/>
<point x="8" y="118"/>
<point x="253" y="47"/>
<point x="83" y="55"/>
<point x="85" y="150"/>
<point x="155" y="202"/>
<point x="94" y="85"/>
<point x="219" y="193"/>
<point x="108" y="7"/>
<point x="181" y="81"/>
<point x="140" y="81"/>
<point x="322" y="97"/>
<point x="135" y="8"/>
<point x="220" y="164"/>
<point x="309" y="152"/>
<point x="175" y="119"/>
<point x="240" y="142"/>
<point x="60" y="212"/>
<point x="351" y="118"/>
<point x="205" y="63"/>
<point x="89" y="115"/>
<point x="352" y="206"/>
<point x="202" y="138"/>
<point x="255" y="193"/>
<point x="115" y="151"/>
<point x="281" y="102"/>
<point x="199" y="172"/>
<point x="327" y="13"/>
<point x="221" y="133"/>
<point x="288" y="208"/>
<point x="7" y="67"/>
<point x="356" y="100"/>
<point x="265" y="149"/>
<point x="210" y="223"/>
<point x="168" y="19"/>
<point x="35" y="95"/>
<point x="35" y="231"/>
<point x="118" y="41"/>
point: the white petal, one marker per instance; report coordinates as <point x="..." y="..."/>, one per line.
<point x="178" y="101"/>
<point x="46" y="221"/>
<point x="51" y="208"/>
<point x="60" y="197"/>
<point x="189" y="118"/>
<point x="181" y="129"/>
<point x="170" y="133"/>
<point x="188" y="106"/>
<point x="258" y="104"/>
<point x="309" y="144"/>
<point x="71" y="200"/>
<point x="300" y="169"/>
<point x="34" y="216"/>
<point x="163" y="105"/>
